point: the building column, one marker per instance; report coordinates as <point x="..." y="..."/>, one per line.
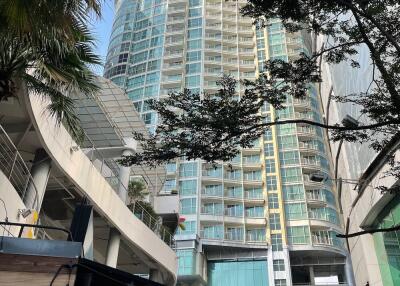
<point x="156" y="276"/>
<point x="88" y="241"/>
<point x="312" y="275"/>
<point x="124" y="175"/>
<point x="348" y="268"/>
<point x="114" y="240"/>
<point x="40" y="172"/>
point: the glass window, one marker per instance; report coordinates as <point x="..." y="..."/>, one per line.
<point x="153" y="77"/>
<point x="194" y="33"/>
<point x="192" y="81"/>
<point x="190" y="228"/>
<point x="279" y="265"/>
<point x="274" y="222"/>
<point x="270" y="166"/>
<point x="213" y="232"/>
<point x="186" y="261"/>
<point x="280" y="282"/>
<point x="291" y="175"/>
<point x="194" y="45"/>
<point x="269" y="149"/>
<point x="295" y="211"/>
<point x="289" y="158"/>
<point x="194" y="22"/>
<point x="188" y="187"/>
<point x="193" y="68"/>
<point x="188" y="169"/>
<point x="271" y="183"/>
<point x="298" y="234"/>
<point x="238" y="273"/>
<point x="188" y="206"/>
<point x="193" y="3"/>
<point x="193" y="56"/>
<point x="273" y="202"/>
<point x="276" y="242"/>
<point x="195" y="12"/>
<point x="293" y="192"/>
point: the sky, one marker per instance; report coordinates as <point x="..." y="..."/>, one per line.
<point x="101" y="29"/>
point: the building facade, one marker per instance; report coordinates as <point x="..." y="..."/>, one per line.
<point x="375" y="258"/>
<point x="259" y="219"/>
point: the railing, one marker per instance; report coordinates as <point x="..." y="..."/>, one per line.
<point x="253" y="196"/>
<point x="255" y="237"/>
<point x="140" y="212"/>
<point x="234" y="236"/>
<point x="212" y="192"/>
<point x="14" y="168"/>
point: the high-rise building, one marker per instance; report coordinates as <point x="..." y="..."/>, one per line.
<point x="259" y="219"/>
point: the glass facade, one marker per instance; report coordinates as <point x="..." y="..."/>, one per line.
<point x="387" y="244"/>
<point x="249" y="273"/>
<point x="263" y="198"/>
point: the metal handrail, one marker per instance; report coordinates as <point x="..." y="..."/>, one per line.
<point x="23" y="225"/>
<point x="13" y="166"/>
<point x="151" y="222"/>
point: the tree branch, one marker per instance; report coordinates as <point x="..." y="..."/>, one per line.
<point x="326" y="126"/>
<point x="371" y="231"/>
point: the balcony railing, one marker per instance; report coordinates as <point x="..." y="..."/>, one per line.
<point x="14" y="168"/>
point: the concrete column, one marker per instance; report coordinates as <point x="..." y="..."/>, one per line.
<point x="88" y="242"/>
<point x="312" y="275"/>
<point x="124" y="174"/>
<point x="40" y="172"/>
<point x="114" y="240"/>
<point x="156" y="276"/>
<point x="348" y="268"/>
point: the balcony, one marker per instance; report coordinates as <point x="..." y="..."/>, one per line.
<point x="211" y="234"/>
<point x="233" y="236"/>
<point x="255" y="238"/>
<point x="211" y="193"/>
<point x="326" y="240"/>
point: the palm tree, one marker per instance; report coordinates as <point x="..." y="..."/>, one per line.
<point x="47" y="46"/>
<point x="136" y="192"/>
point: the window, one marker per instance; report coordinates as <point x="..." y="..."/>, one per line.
<point x="279" y="265"/>
<point x="295" y="211"/>
<point x="171" y="167"/>
<point x="188" y="169"/>
<point x="170" y="185"/>
<point x="257" y="234"/>
<point x="190" y="228"/>
<point x="212" y="209"/>
<point x="193" y="3"/>
<point x="213" y="190"/>
<point x="193" y="68"/>
<point x="188" y="206"/>
<point x="212" y="232"/>
<point x="194" y="33"/>
<point x="234" y="233"/>
<point x="274" y="222"/>
<point x="269" y="150"/>
<point x="195" y="12"/>
<point x="271" y="183"/>
<point x="256" y="211"/>
<point x="298" y="234"/>
<point x="293" y="192"/>
<point x="187" y="187"/>
<point x="153" y="77"/>
<point x="186" y="261"/>
<point x="270" y="166"/>
<point x="276" y="242"/>
<point x="193" y="56"/>
<point x="289" y="158"/>
<point x="273" y="202"/>
<point x="194" y="45"/>
<point x="148" y="118"/>
<point x="287" y="142"/>
<point x="194" y="22"/>
<point x="291" y="175"/>
<point x="192" y="81"/>
<point x="280" y="282"/>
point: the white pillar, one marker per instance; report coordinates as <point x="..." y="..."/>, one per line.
<point x="114" y="240"/>
<point x="348" y="268"/>
<point x="40" y="172"/>
<point x="124" y="174"/>
<point x="88" y="242"/>
<point x="156" y="276"/>
<point x="312" y="275"/>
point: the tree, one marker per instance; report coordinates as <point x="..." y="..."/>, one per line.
<point x="136" y="192"/>
<point x="214" y="126"/>
<point x="47" y="45"/>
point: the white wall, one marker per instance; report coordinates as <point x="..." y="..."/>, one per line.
<point x="85" y="176"/>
